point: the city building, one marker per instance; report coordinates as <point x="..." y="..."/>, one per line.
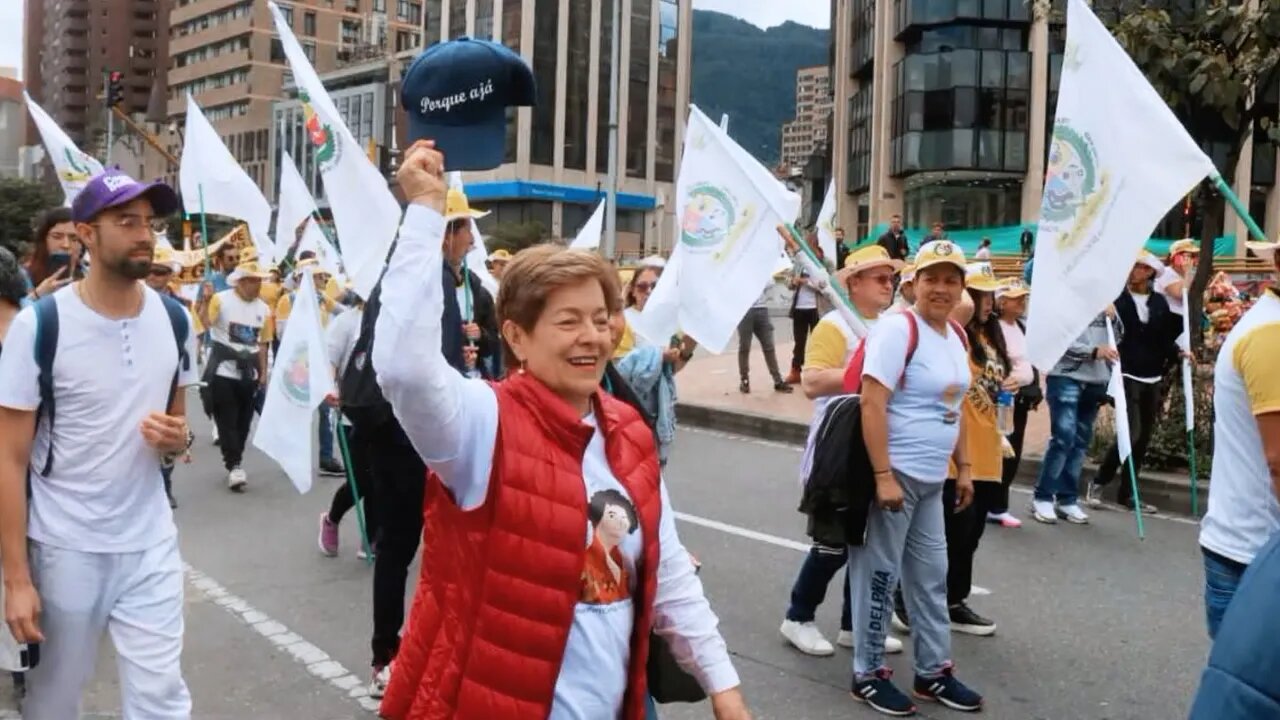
<point x="807" y="133"/>
<point x="72" y="45"/>
<point x="556" y="153"/>
<point x="12" y="125"/>
<point x="943" y="109"/>
<point x="228" y="56"/>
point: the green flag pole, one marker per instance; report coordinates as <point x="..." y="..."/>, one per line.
<point x="204" y="232"/>
<point x="355" y="492"/>
<point x="839" y="291"/>
<point x="1236" y="204"/>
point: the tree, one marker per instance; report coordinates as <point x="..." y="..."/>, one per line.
<point x="20" y="202"/>
<point x="1217" y="64"/>
<point x="514" y="237"/>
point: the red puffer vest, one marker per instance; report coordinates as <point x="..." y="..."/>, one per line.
<point x="499" y="584"/>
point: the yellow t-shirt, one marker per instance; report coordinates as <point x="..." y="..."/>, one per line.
<point x="270" y="293"/>
<point x="983" y="445"/>
<point x="284" y="307"/>
<point x="626" y="344"/>
<point x="829" y="345"/>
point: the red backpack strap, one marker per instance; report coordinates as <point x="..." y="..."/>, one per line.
<point x="961" y="332"/>
<point x="913" y="342"/>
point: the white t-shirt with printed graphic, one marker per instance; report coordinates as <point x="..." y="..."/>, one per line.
<point x="924" y="412"/>
<point x="238" y="324"/>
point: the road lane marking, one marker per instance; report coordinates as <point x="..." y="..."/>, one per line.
<point x="768" y="539"/>
<point x="316" y="661"/>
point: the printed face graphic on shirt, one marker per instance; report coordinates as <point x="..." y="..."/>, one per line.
<point x="243" y="334"/>
<point x="605" y="576"/>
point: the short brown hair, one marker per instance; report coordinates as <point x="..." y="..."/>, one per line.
<point x="536" y="272"/>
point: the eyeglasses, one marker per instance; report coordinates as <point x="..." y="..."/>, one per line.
<point x="138" y="222"/>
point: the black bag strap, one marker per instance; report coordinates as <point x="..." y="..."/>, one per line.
<point x="181" y="328"/>
<point x="46" y="347"/>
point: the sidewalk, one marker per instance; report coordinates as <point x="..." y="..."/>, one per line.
<point x="709" y="398"/>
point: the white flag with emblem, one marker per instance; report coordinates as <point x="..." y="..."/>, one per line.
<point x="299" y="382"/>
<point x="1119" y="160"/>
<point x="213" y="182"/>
<point x="1115" y="388"/>
<point x="365" y="212"/>
<point x="74" y="167"/>
<point x="827" y="223"/>
<point x="727" y="249"/>
<point x="296" y="204"/>
<point x="316" y="240"/>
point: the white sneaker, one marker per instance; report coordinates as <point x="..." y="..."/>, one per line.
<point x="1093" y="495"/>
<point x="845" y="639"/>
<point x="892" y="645"/>
<point x="1073" y="514"/>
<point x="378" y="685"/>
<point x="215" y="434"/>
<point x="806" y="638"/>
<point x="236" y="480"/>
<point x="1042" y="511"/>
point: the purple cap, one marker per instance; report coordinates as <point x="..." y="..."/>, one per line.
<point x="113" y="188"/>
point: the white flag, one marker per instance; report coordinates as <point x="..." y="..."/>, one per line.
<point x="315" y="240"/>
<point x="296" y="204"/>
<point x="74" y="167"/>
<point x="728" y="247"/>
<point x="365" y="212"/>
<point x="299" y="382"/>
<point x="589" y="236"/>
<point x="1116" y="390"/>
<point x="213" y="182"/>
<point x="1119" y="160"/>
<point x="478" y="256"/>
<point x="827" y="223"/>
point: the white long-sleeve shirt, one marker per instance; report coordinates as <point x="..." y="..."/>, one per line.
<point x="452" y="421"/>
<point x="340" y="338"/>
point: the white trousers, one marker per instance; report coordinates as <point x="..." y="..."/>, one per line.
<point x="138" y="598"/>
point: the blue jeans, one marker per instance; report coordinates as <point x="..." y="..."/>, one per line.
<point x="651" y="710"/>
<point x="820" y="566"/>
<point x="1221" y="578"/>
<point x="326" y="433"/>
<point x="1073" y="406"/>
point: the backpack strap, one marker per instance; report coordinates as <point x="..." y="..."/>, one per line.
<point x="913" y="343"/>
<point x="46" y="347"/>
<point x="181" y="329"/>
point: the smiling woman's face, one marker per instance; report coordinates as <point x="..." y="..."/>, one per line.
<point x="642" y="286"/>
<point x="568" y="346"/>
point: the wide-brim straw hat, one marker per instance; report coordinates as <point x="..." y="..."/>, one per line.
<point x="456" y="207"/>
<point x="248" y="270"/>
<point x="872" y="256"/>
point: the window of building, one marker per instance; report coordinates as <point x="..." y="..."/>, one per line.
<point x="309" y="24"/>
<point x="668" y="75"/>
<point x="433" y="22"/>
<point x="457" y="19"/>
<point x="512" y="14"/>
<point x="637" y="144"/>
<point x="577" y="84"/>
<point x="603" y="97"/>
<point x="484" y="20"/>
<point x="546" y="21"/>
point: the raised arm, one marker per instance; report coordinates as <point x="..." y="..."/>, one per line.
<point x="451" y="421"/>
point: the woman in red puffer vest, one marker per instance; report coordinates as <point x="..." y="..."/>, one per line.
<point x="550" y="546"/>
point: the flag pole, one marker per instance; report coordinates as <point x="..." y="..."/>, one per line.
<point x="355" y="491"/>
<point x="1236" y="204"/>
<point x="815" y="267"/>
<point x="1189" y="405"/>
<point x="1133" y="474"/>
<point x="204" y="232"/>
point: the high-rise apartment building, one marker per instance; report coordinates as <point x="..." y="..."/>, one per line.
<point x="71" y="46"/>
<point x="944" y="109"/>
<point x="807" y="133"/>
<point x="12" y="114"/>
<point x="228" y="56"/>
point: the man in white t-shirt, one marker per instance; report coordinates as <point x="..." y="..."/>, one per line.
<point x="95" y="550"/>
<point x="1175" y="277"/>
<point x="805" y="311"/>
<point x="868" y="278"/>
<point x="1243" y="510"/>
<point x="241" y="328"/>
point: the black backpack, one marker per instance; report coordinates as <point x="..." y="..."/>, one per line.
<point x="362" y="398"/>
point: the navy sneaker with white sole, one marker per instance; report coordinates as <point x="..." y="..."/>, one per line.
<point x="882" y="695"/>
<point x="949" y="691"/>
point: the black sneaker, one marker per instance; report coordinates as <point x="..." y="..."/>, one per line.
<point x="744" y="387"/>
<point x="949" y="691"/>
<point x="965" y="620"/>
<point x="783" y="388"/>
<point x="332" y="468"/>
<point x="1147" y="508"/>
<point x="882" y="695"/>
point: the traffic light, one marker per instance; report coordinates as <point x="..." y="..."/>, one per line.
<point x="115" y="88"/>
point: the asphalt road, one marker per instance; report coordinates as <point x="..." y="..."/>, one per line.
<point x="1094" y="625"/>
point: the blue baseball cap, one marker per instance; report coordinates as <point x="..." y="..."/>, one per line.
<point x="113" y="188"/>
<point x="457" y="94"/>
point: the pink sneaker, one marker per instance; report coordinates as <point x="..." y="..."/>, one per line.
<point x="328" y="536"/>
<point x="1004" y="519"/>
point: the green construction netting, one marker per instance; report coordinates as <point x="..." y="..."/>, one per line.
<point x="1005" y="240"/>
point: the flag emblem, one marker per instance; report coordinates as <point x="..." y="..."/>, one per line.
<point x="319" y="134"/>
<point x="712" y="218"/>
<point x="1075" y="189"/>
<point x="77" y="169"/>
<point x="296" y="379"/>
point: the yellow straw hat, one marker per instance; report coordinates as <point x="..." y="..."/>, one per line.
<point x="980" y="277"/>
<point x="872" y="256"/>
<point x="1184" y="247"/>
<point x="940" y="252"/>
<point x="1012" y="288"/>
<point x="165" y="256"/>
<point x="456" y="207"/>
<point x="247" y="270"/>
<point x="908" y="273"/>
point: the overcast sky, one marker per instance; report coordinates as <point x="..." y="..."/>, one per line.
<point x="767" y="13"/>
<point x="764" y="13"/>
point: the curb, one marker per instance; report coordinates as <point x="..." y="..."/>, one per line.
<point x="1171" y="492"/>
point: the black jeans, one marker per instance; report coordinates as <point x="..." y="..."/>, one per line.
<point x="758" y="323"/>
<point x="820" y="566"/>
<point x="399" y="479"/>
<point x="802" y="323"/>
<point x="1144" y="400"/>
<point x="233" y="406"/>
<point x="1000" y="501"/>
<point x="964" y="530"/>
<point x="362" y="470"/>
